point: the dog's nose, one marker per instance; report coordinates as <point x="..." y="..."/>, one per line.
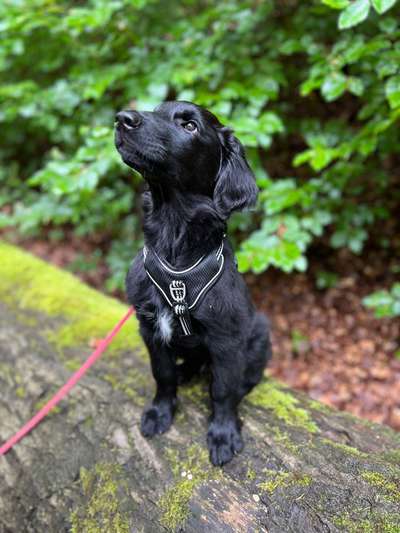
<point x="129" y="119"/>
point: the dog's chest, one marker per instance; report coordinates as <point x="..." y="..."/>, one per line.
<point x="168" y="330"/>
<point x="165" y="325"/>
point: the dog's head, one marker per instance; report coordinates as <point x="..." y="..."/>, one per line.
<point x="183" y="146"/>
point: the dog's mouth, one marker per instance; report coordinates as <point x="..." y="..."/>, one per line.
<point x="135" y="157"/>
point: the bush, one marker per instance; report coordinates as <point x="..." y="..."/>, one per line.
<point x="311" y="88"/>
<point x="385" y="303"/>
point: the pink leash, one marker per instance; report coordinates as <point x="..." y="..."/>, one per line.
<point x="64" y="390"/>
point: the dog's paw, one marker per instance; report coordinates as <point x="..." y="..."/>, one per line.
<point x="156" y="419"/>
<point x="224" y="440"/>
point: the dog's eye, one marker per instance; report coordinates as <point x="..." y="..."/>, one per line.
<point x="190" y="126"/>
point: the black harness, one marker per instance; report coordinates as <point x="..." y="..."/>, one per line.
<point x="184" y="289"/>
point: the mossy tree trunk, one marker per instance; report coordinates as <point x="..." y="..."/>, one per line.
<point x="86" y="468"/>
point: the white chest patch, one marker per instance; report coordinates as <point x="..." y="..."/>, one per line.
<point x="165" y="325"/>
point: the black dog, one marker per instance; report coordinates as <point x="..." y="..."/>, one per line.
<point x="199" y="308"/>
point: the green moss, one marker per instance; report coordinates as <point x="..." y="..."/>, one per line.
<point x="283" y="479"/>
<point x="13" y="379"/>
<point x="345" y="448"/>
<point x="195" y="392"/>
<point x="392" y="456"/>
<point x="88" y="422"/>
<point x="29" y="283"/>
<point x="7" y="373"/>
<point x="73" y="364"/>
<point x="180" y="418"/>
<point x="20" y="392"/>
<point x="251" y="474"/>
<point x="39" y="404"/>
<point x="283" y="404"/>
<point x="390" y="488"/>
<point x="376" y="522"/>
<point x="321" y="407"/>
<point x="128" y="383"/>
<point x="283" y="439"/>
<point x="102" y="510"/>
<point x="189" y="473"/>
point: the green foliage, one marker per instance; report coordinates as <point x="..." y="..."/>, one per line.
<point x="313" y="84"/>
<point x="385" y="303"/>
<point x="325" y="280"/>
<point x="354" y="13"/>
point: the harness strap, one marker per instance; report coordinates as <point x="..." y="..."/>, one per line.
<point x="184" y="289"/>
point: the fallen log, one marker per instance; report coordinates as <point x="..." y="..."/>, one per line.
<point x="86" y="468"/>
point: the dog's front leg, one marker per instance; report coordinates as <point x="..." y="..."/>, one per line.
<point x="223" y="437"/>
<point x="158" y="417"/>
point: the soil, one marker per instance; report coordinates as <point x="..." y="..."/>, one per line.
<point x="329" y="345"/>
<point x="325" y="342"/>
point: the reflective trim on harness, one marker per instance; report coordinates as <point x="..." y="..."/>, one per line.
<point x="178" y="271"/>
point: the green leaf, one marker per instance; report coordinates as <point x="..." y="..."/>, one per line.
<point x="356" y="86"/>
<point x="334" y="86"/>
<point x="321" y="157"/>
<point x="395" y="291"/>
<point x="382" y="5"/>
<point x="326" y="280"/>
<point x="377" y="298"/>
<point x="309" y="85"/>
<point x="385" y="303"/>
<point x="302" y="158"/>
<point x="355" y="13"/>
<point x="388" y="24"/>
<point x="244" y="261"/>
<point x="388" y="66"/>
<point x="270" y="123"/>
<point x="336" y="4"/>
<point x="392" y="91"/>
<point x="301" y="264"/>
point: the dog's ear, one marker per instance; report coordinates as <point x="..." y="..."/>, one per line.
<point x="235" y="186"/>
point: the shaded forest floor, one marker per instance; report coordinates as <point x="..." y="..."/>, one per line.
<point x="328" y="344"/>
<point x="325" y="342"/>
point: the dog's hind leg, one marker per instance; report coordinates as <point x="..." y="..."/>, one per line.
<point x="258" y="353"/>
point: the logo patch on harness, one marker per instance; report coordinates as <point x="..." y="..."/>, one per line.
<point x="178" y="290"/>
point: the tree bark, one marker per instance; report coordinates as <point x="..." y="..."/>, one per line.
<point x="86" y="468"/>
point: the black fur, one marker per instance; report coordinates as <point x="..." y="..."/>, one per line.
<point x="197" y="174"/>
